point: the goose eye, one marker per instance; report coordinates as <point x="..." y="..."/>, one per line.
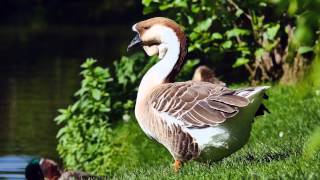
<point x="146" y="28"/>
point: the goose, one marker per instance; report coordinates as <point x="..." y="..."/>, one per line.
<point x="204" y="73"/>
<point x="193" y="120"/>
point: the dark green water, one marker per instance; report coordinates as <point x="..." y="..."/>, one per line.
<point x="39" y="72"/>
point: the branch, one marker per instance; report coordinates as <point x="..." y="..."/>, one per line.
<point x="238" y="8"/>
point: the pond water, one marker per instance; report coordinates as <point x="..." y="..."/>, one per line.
<point x="39" y="72"/>
<point x="12" y="166"/>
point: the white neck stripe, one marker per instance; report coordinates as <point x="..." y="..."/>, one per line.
<point x="159" y="72"/>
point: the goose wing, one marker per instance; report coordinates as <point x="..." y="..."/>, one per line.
<point x="196" y="104"/>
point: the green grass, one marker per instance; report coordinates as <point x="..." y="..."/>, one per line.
<point x="275" y="149"/>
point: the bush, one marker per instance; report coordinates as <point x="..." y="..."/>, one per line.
<point x="247" y="32"/>
<point x="85" y="140"/>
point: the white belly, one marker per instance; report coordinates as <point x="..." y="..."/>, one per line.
<point x="218" y="142"/>
<point x="211" y="136"/>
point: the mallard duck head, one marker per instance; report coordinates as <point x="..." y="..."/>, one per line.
<point x="41" y="168"/>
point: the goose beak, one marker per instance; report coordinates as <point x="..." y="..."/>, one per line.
<point x="136" y="41"/>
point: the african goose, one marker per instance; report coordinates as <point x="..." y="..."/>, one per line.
<point x="204" y="73"/>
<point x="194" y="119"/>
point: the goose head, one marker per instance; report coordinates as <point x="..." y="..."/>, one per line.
<point x="162" y="37"/>
<point x="156" y="35"/>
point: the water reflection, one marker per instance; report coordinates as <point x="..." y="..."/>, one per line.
<point x="39" y="72"/>
<point x="32" y="96"/>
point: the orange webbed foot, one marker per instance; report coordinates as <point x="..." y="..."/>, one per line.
<point x="177" y="165"/>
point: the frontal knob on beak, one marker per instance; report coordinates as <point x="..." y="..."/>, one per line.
<point x="136" y="41"/>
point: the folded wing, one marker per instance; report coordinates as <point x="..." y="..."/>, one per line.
<point x="197" y="104"/>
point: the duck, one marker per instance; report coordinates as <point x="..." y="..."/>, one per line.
<point x="193" y="120"/>
<point x="48" y="169"/>
<point x="204" y="73"/>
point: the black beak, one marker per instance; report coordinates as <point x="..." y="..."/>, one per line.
<point x="136" y="41"/>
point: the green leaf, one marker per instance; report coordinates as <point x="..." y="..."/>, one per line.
<point x="190" y="19"/>
<point x="305" y="49"/>
<point x="146" y="2"/>
<point x="191" y="48"/>
<point x="263" y="4"/>
<point x="239" y="12"/>
<point x="149" y="9"/>
<point x="203" y="25"/>
<point x="129" y="104"/>
<point x="272" y="31"/>
<point x="164" y="7"/>
<point x="181" y="3"/>
<point x="89" y="62"/>
<point x="104" y="109"/>
<point x="96" y="94"/>
<point x="240" y="62"/>
<point x="62" y="111"/>
<point x="303" y="35"/>
<point x="237" y="32"/>
<point x="259" y="52"/>
<point x="100" y="71"/>
<point x="216" y="36"/>
<point x="195" y="8"/>
<point x="194" y="36"/>
<point x="61" y="132"/>
<point x="227" y="44"/>
<point x="61" y="118"/>
<point x="293" y="7"/>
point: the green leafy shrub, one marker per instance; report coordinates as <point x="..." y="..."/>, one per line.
<point x="244" y="31"/>
<point x="85" y="140"/>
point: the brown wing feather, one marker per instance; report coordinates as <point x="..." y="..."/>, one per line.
<point x="197" y="104"/>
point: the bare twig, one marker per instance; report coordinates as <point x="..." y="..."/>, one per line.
<point x="249" y="69"/>
<point x="238" y="8"/>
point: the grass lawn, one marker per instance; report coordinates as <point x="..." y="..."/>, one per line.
<point x="275" y="148"/>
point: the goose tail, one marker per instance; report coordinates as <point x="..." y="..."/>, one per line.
<point x="255" y="94"/>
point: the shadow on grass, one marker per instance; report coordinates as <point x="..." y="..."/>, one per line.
<point x="268" y="157"/>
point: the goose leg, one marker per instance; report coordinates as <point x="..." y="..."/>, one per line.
<point x="177" y="165"/>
